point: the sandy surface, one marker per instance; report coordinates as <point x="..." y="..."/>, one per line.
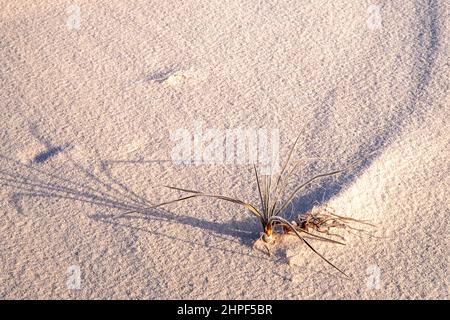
<point x="92" y="94"/>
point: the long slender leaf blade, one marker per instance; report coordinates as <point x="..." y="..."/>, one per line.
<point x="184" y="190"/>
<point x="225" y="198"/>
<point x="286" y="162"/>
<point x="320" y="237"/>
<point x="292" y="196"/>
<point x="259" y="187"/>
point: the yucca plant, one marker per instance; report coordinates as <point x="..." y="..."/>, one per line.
<point x="273" y="203"/>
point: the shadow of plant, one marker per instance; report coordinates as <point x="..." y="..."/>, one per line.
<point x="113" y="197"/>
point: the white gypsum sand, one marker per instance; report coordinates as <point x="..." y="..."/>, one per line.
<point x="92" y="93"/>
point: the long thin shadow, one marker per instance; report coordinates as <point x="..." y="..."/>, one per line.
<point x="108" y="220"/>
<point x="28" y="180"/>
<point x="426" y="48"/>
